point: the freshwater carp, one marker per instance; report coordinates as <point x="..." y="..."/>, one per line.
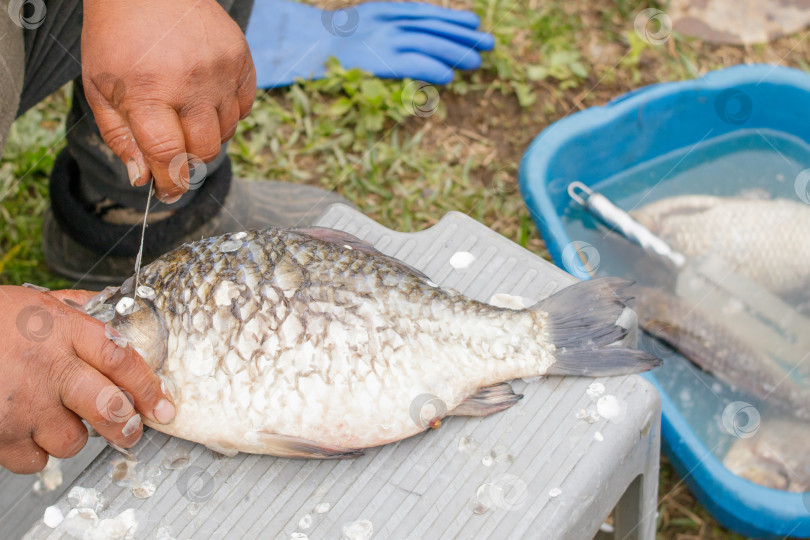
<point x="311" y="343"/>
<point x="765" y="240"/>
<point x="716" y="349"/>
<point x="775" y="456"/>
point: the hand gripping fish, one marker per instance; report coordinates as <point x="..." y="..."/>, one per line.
<point x="311" y="343"/>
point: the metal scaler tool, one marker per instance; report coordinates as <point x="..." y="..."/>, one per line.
<point x="601" y="207"/>
<point x="143" y="232"/>
<point x="125" y="304"/>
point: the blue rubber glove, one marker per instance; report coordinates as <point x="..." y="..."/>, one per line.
<point x="389" y="39"/>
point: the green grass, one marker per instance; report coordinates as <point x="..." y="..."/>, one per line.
<point x="358" y="135"/>
<point x="27" y="159"/>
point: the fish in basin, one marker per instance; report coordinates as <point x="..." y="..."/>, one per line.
<point x="763" y="239"/>
<point x="311" y="343"/>
<point x="774" y="456"/>
<point x="720" y="350"/>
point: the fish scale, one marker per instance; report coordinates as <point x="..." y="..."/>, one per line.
<point x="310" y="343"/>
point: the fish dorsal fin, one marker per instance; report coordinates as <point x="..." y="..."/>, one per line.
<point x="334" y="236"/>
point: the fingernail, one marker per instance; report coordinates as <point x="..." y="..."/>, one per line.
<point x="166" y="199"/>
<point x="133" y="171"/>
<point x="164" y="412"/>
<point x="132" y="425"/>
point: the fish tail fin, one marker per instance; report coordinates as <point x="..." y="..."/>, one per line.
<point x="582" y="325"/>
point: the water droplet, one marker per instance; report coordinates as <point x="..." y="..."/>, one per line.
<point x="486" y="461"/>
<point x="598" y="437"/>
<point x="146" y="292"/>
<point x="229" y="246"/>
<point x="554" y="492"/>
<point x="126" y="306"/>
<point x="299" y="536"/>
<point x="305" y="522"/>
<point x="239" y="235"/>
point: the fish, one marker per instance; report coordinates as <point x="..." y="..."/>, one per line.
<point x="716" y="349"/>
<point x="310" y="343"/>
<point x="765" y="240"/>
<point x="775" y="456"/>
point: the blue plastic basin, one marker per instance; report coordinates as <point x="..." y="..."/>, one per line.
<point x="668" y="124"/>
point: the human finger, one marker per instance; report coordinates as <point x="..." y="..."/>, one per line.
<point x="62" y="436"/>
<point x="115" y="130"/>
<point x="228" y="113"/>
<point x="23" y="457"/>
<point x="123" y="366"/>
<point x="160" y="136"/>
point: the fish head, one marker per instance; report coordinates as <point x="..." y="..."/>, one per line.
<point x="132" y="319"/>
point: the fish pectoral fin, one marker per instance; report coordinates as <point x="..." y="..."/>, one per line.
<point x="222" y="448"/>
<point x="293" y="447"/>
<point x="487" y="400"/>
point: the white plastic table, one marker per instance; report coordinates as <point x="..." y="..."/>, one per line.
<point x="550" y="467"/>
